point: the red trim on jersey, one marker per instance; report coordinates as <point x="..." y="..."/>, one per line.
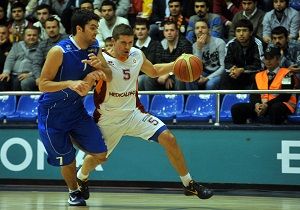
<point x="99" y="95"/>
<point x="138" y="103"/>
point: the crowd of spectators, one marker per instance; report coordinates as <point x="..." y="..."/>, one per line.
<point x="229" y="36"/>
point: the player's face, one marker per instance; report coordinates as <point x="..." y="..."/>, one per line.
<point x="42" y="15"/>
<point x="141" y="32"/>
<point x="123" y="45"/>
<point x="201" y="28"/>
<point x="90" y="31"/>
<point x="107" y="12"/>
<point x="175" y="8"/>
<point x="248" y="6"/>
<point x="242" y="34"/>
<point x="170" y="32"/>
<point x="52" y="28"/>
<point x="279" y="5"/>
<point x="200" y="9"/>
<point x="279" y="40"/>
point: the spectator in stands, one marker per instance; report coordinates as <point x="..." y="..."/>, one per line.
<point x="108" y="21"/>
<point x="290" y="50"/>
<point x="108" y="43"/>
<point x="5" y="46"/>
<point x="43" y="12"/>
<point x="144" y="41"/>
<point x="3" y="18"/>
<point x="174" y="13"/>
<point x="146" y="44"/>
<point x="52" y="27"/>
<point x="17" y="73"/>
<point x="211" y="50"/>
<point x="215" y="23"/>
<point x="87" y="4"/>
<point x="226" y="9"/>
<point x="70" y="8"/>
<point x="281" y="15"/>
<point x="243" y="58"/>
<point x="160" y="10"/>
<point x="276" y="106"/>
<point x="252" y="13"/>
<point x="170" y="48"/>
<point x="122" y="6"/>
<point x="18" y="23"/>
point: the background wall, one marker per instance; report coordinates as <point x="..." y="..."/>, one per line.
<point x="256" y="156"/>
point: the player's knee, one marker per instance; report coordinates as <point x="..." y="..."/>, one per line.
<point x="99" y="158"/>
<point x="167" y="140"/>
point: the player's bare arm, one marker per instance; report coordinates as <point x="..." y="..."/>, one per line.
<point x="157" y="69"/>
<point x="49" y="71"/>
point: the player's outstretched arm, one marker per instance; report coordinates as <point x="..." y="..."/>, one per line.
<point x="49" y="71"/>
<point x="157" y="69"/>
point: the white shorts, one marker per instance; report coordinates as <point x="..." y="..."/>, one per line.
<point x="135" y="123"/>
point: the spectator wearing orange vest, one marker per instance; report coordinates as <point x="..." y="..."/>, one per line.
<point x="274" y="106"/>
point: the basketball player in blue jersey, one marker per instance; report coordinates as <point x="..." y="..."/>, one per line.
<point x="70" y="70"/>
<point x="119" y="112"/>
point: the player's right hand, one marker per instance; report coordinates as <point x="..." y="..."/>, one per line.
<point x="80" y="87"/>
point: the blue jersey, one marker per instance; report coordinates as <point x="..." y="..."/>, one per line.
<point x="62" y="118"/>
<point x="71" y="68"/>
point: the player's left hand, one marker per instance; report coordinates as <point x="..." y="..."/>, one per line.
<point x="93" y="61"/>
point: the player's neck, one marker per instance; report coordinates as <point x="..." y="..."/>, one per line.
<point x="117" y="56"/>
<point x="80" y="42"/>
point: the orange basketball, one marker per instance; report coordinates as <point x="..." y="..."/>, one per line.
<point x="188" y="68"/>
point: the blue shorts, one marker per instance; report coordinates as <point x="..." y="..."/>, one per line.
<point x="57" y="126"/>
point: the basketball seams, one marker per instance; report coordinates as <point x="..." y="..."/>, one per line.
<point x="187" y="68"/>
<point x="190" y="70"/>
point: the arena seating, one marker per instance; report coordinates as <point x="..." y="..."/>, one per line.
<point x="26" y="109"/>
<point x="166" y="107"/>
<point x="8" y="105"/>
<point x="198" y="107"/>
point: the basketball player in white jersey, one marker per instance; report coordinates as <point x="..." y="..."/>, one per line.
<point x="120" y="113"/>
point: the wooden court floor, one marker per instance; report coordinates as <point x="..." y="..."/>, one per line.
<point x="34" y="200"/>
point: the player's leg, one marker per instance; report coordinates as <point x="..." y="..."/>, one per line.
<point x="149" y="127"/>
<point x="112" y="135"/>
<point x="61" y="153"/>
<point x="176" y="158"/>
<point x="88" y="138"/>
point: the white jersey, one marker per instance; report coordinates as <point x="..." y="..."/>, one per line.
<point x="120" y="95"/>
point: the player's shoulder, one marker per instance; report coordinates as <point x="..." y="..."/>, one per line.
<point x="135" y="51"/>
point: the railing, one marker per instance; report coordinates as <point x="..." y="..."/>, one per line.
<point x="184" y="92"/>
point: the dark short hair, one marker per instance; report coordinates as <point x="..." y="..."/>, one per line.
<point x="280" y="30"/>
<point x="108" y="3"/>
<point x="18" y="4"/>
<point x="205" y="1"/>
<point x="33" y="28"/>
<point x="44" y="6"/>
<point x="245" y="23"/>
<point x="171" y="1"/>
<point x="170" y="22"/>
<point x="81" y="17"/>
<point x="122" y="29"/>
<point x="142" y="21"/>
<point x="286" y="1"/>
<point x="203" y="20"/>
<point x="51" y="19"/>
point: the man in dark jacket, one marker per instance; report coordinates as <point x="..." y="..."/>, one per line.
<point x="276" y="106"/>
<point x="243" y="58"/>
